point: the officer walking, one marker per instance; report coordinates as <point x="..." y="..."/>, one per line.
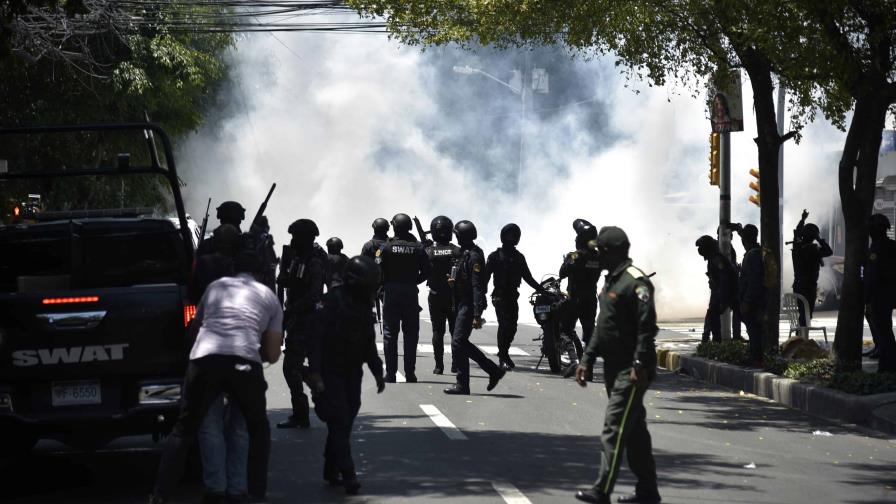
<point x="751" y="289"/>
<point x="442" y="255"/>
<point x="405" y="265"/>
<point x="229" y="212"/>
<point x="809" y="251"/>
<point x="880" y="291"/>
<point x="304" y="282"/>
<point x="380" y="235"/>
<point x="345" y="342"/>
<point x="626" y="328"/>
<point x="469" y="287"/>
<point x="582" y="268"/>
<point x="337" y="261"/>
<point x="508" y="266"/>
<point x="721" y="276"/>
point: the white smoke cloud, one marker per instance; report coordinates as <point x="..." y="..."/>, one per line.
<point x="351" y="128"/>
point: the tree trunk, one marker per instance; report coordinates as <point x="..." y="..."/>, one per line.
<point x="768" y="141"/>
<point x="857" y="178"/>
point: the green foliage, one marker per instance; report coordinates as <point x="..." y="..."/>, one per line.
<point x="858" y="382"/>
<point x="814" y="371"/>
<point x="731" y="352"/>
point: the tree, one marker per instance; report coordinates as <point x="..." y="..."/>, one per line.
<point x="106" y="73"/>
<point x="655" y="40"/>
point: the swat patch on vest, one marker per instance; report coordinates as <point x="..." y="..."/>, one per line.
<point x="643" y="293"/>
<point x="477" y="268"/>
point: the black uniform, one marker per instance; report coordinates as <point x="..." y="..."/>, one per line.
<point x="470" y="288"/>
<point x="625" y="333"/>
<point x="345" y="342"/>
<point x="304" y="280"/>
<point x="752" y="297"/>
<point x="334" y="270"/>
<point x="722" y="294"/>
<point x="808" y="258"/>
<point x="880" y="296"/>
<point x="441" y="305"/>
<point x="405" y="265"/>
<point x="582" y="267"/>
<point x="261" y="242"/>
<point x="509" y="268"/>
<point x="372" y="246"/>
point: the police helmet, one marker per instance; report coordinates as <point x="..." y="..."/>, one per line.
<point x="879" y="221"/>
<point x="361" y="273"/>
<point x="465" y="231"/>
<point x="612" y="238"/>
<point x="510" y="235"/>
<point x="334" y="245"/>
<point x="579" y="224"/>
<point x="304" y="228"/>
<point x="811" y="231"/>
<point x="231" y="212"/>
<point x="440" y="229"/>
<point x="402" y="223"/>
<point x="380" y="226"/>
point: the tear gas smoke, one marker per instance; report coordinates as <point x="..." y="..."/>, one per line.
<point x="355" y="127"/>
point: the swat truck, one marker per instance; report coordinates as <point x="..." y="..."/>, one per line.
<point x="93" y="301"/>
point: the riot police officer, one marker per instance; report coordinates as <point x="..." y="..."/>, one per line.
<point x="624" y="337"/>
<point x="722" y="290"/>
<point x="259" y="241"/>
<point x="582" y="268"/>
<point x="380" y="235"/>
<point x="809" y="251"/>
<point x="442" y="255"/>
<point x="469" y="287"/>
<point x="337" y="261"/>
<point x="880" y="291"/>
<point x="509" y="268"/>
<point x="405" y="265"/>
<point x="229" y="212"/>
<point x="750" y="290"/>
<point x="304" y="282"/>
<point x="345" y="342"/>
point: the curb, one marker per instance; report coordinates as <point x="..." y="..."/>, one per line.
<point x="876" y="411"/>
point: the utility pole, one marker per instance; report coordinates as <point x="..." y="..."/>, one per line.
<point x="781" y="94"/>
<point x="725" y="216"/>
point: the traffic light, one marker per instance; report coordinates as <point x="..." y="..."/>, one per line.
<point x="714" y="158"/>
<point x="754" y="185"/>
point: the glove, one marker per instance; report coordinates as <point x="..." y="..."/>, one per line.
<point x="380" y="384"/>
<point x="316" y="383"/>
<point x="477" y="322"/>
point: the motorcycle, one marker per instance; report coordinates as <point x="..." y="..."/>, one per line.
<point x="550" y="307"/>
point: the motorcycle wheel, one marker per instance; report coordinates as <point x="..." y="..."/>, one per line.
<point x="551" y="350"/>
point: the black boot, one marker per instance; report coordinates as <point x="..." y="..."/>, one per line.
<point x="457" y="390"/>
<point x="635" y="498"/>
<point x="440" y="366"/>
<point x="350" y="482"/>
<point x="593" y="495"/>
<point x="331" y="474"/>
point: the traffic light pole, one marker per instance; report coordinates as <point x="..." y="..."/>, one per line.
<point x="725" y="216"/>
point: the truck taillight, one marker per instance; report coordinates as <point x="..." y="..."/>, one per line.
<point x="189" y="314"/>
<point x="71" y="300"/>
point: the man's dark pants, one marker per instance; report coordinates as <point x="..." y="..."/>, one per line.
<point x="810" y="292"/>
<point x="464" y="350"/>
<point x="441" y="312"/>
<point x="753" y="320"/>
<point x="507" y="309"/>
<point x="294" y="353"/>
<point x="401" y="312"/>
<point x="712" y="323"/>
<point x="338" y="406"/>
<point x="205" y="380"/>
<point x="625" y="427"/>
<point x="582" y="309"/>
<point x="881" y="316"/>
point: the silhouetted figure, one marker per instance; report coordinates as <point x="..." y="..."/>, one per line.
<point x="722" y="291"/>
<point x="880" y="290"/>
<point x="809" y="251"/>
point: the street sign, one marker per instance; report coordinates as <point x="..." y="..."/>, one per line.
<point x="725" y="103"/>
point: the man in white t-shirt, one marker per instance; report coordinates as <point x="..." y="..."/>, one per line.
<point x="240" y="326"/>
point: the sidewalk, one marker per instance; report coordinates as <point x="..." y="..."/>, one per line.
<point x="677" y="343"/>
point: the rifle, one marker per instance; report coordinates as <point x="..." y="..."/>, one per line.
<point x="420" y="231"/>
<point x="204" y="227"/>
<point x="264" y="204"/>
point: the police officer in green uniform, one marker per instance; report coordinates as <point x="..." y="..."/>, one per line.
<point x="624" y="337"/>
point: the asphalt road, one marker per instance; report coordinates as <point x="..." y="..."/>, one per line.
<point x="534" y="439"/>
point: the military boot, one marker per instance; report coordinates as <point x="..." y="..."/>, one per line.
<point x="300" y="415"/>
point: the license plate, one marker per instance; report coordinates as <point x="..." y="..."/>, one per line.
<point x="76" y="393"/>
<point x="543" y="309"/>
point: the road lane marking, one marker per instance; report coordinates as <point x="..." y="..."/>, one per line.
<point x="443" y="423"/>
<point x="425" y="348"/>
<point x="399" y="378"/>
<point x="510" y="493"/>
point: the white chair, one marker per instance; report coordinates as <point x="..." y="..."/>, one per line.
<point x="792" y="312"/>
